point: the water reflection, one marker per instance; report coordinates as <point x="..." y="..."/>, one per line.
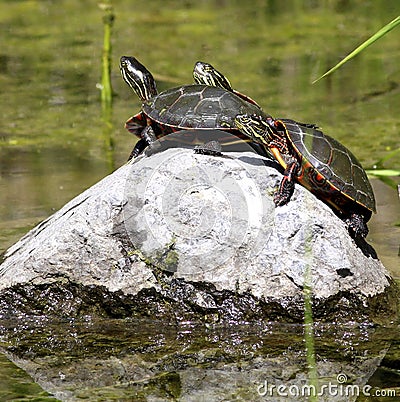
<point x="145" y="360"/>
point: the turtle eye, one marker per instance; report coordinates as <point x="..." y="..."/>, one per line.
<point x="257" y="117"/>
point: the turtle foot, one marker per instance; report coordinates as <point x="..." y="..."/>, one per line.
<point x="138" y="149"/>
<point x="356" y="225"/>
<point x="366" y="248"/>
<point x="212" y="148"/>
<point x="147" y="138"/>
<point x="358" y="230"/>
<point x="282" y="198"/>
<point x="283" y="195"/>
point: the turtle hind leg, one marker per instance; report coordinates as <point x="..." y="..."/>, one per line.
<point x="366" y="248"/>
<point x="356" y="225"/>
<point x="358" y="230"/>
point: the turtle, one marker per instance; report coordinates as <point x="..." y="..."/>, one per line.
<point x="205" y="74"/>
<point x="319" y="163"/>
<point x="194" y="106"/>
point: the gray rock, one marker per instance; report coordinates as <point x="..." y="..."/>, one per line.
<point x="190" y="236"/>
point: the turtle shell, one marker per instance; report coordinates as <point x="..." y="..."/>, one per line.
<point x="330" y="170"/>
<point x="198" y="106"/>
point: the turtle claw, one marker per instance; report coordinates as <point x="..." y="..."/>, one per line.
<point x="282" y="196"/>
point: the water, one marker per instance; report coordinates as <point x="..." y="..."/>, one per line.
<point x="127" y="360"/>
<point x="52" y="143"/>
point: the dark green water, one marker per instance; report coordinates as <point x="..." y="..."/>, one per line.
<point x="52" y="141"/>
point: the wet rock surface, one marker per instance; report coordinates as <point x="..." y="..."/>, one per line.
<point x="183" y="236"/>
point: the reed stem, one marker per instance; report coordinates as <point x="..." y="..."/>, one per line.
<point x="106" y="87"/>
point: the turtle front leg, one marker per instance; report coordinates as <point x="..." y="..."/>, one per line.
<point x="286" y="187"/>
<point x="148" y="135"/>
<point x="147" y="138"/>
<point x="137" y="149"/>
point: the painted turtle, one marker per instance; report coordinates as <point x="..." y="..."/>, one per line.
<point x="206" y="74"/>
<point x="318" y="162"/>
<point x="182" y="108"/>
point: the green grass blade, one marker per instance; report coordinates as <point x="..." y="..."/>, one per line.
<point x="388" y="156"/>
<point x="383" y="31"/>
<point x="383" y="172"/>
<point x="385" y="176"/>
